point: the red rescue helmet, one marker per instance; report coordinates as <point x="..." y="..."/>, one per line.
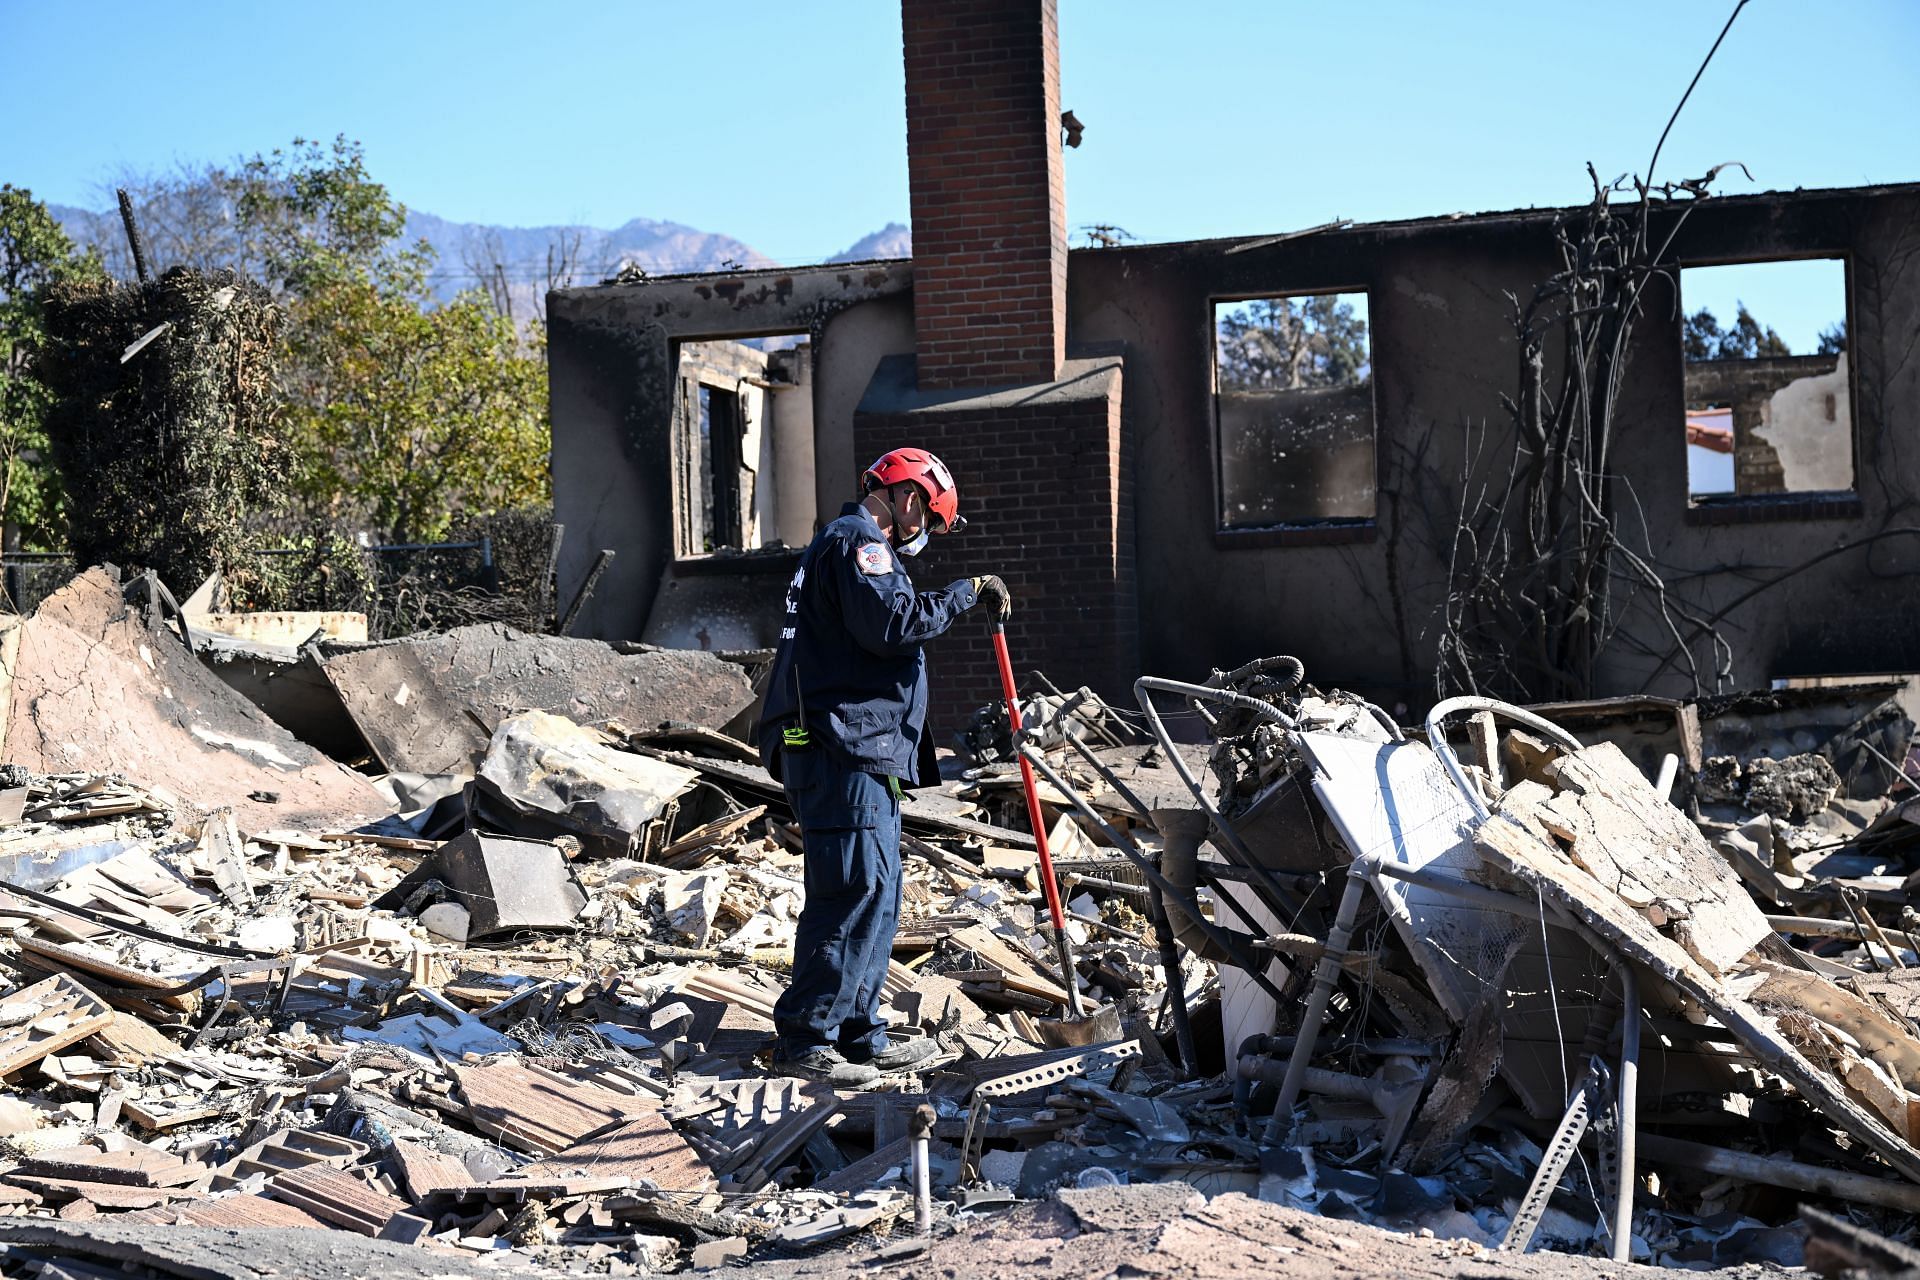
<point x="935" y="481"/>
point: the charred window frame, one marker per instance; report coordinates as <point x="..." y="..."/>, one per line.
<point x="1295" y="424"/>
<point x="1771" y="421"/>
<point x="741" y="452"/>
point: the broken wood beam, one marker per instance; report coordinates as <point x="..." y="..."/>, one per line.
<point x="580" y="598"/>
<point x="1774" y="1172"/>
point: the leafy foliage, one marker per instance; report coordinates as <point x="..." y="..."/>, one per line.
<point x="401" y="414"/>
<point x="404" y="416"/>
<point x="1283" y="343"/>
<point x="312" y="217"/>
<point x="34" y="253"/>
<point x="1833" y="339"/>
<point x="1702" y="338"/>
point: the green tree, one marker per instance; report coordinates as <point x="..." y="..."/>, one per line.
<point x="1281" y="343"/>
<point x="402" y="414"/>
<point x="1833" y="339"/>
<point x="310" y="216"/>
<point x="1702" y="338"/>
<point x="34" y="253"/>
<point x="407" y="417"/>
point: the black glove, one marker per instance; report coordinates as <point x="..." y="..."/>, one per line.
<point x="989" y="590"/>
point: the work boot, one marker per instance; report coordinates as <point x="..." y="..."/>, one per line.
<point x="827" y="1065"/>
<point x="899" y="1055"/>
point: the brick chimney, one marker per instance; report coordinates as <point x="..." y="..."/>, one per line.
<point x="988" y="195"/>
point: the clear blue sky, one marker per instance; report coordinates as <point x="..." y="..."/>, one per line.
<point x="780" y="121"/>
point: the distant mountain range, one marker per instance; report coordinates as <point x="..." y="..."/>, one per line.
<point x="528" y="259"/>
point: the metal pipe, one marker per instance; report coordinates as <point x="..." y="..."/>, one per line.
<point x="1143" y="689"/>
<point x="1176" y="980"/>
<point x="1104" y="886"/>
<point x="1206" y="693"/>
<point x="1463" y="890"/>
<point x="1821" y="927"/>
<point x="1387" y="722"/>
<point x="1108" y="776"/>
<point x="919" y="1130"/>
<point x="1331" y="1084"/>
<point x="1669" y="770"/>
<point x="1181" y="833"/>
<point x="586" y="590"/>
<point x="1324" y="976"/>
<point x="1437" y="738"/>
<point x="1260" y="666"/>
<point x="1629" y="1109"/>
<point x="1818" y="927"/>
<point x="1775" y="1172"/>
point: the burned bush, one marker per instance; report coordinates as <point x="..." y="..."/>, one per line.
<point x="164" y="422"/>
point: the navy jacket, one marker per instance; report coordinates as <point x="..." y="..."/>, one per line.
<point x="853" y="632"/>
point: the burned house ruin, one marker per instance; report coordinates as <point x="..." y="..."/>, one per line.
<point x="1150" y="512"/>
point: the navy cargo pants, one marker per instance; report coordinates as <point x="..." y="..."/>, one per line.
<point x="851" y="825"/>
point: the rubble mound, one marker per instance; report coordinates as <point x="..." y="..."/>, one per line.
<point x="1795" y="788"/>
<point x="1393" y="1016"/>
<point x="95" y="683"/>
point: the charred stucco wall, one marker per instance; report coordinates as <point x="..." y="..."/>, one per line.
<point x="613" y="365"/>
<point x="1854" y="612"/>
<point x="1209" y="598"/>
<point x="1363" y="611"/>
<point x="862" y="336"/>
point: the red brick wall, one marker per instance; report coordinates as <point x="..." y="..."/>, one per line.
<point x="1050" y="509"/>
<point x="988" y="197"/>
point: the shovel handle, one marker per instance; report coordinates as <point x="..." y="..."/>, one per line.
<point x="1048" y="885"/>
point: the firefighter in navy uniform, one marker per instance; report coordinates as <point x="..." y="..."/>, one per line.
<point x="841" y="728"/>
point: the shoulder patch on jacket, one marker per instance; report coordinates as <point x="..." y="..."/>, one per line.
<point x="874" y="559"/>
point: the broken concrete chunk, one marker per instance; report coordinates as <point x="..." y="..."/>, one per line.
<point x="1525" y="758"/>
<point x="501" y="883"/>
<point x="718" y="1253"/>
<point x="1719" y="780"/>
<point x="1643" y="849"/>
<point x="448" y="920"/>
<point x="543" y="774"/>
<point x="223" y="854"/>
<point x="271" y="934"/>
<point x="1795" y="788"/>
<point x="691" y="903"/>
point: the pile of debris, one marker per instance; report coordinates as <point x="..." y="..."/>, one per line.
<point x="509" y="1002"/>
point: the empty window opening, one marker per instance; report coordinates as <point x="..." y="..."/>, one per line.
<point x="1293" y="410"/>
<point x="743" y="445"/>
<point x="1768" y="403"/>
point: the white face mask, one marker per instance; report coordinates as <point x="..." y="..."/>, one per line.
<point x="916" y="544"/>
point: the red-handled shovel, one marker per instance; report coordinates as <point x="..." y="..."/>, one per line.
<point x="1039" y="824"/>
